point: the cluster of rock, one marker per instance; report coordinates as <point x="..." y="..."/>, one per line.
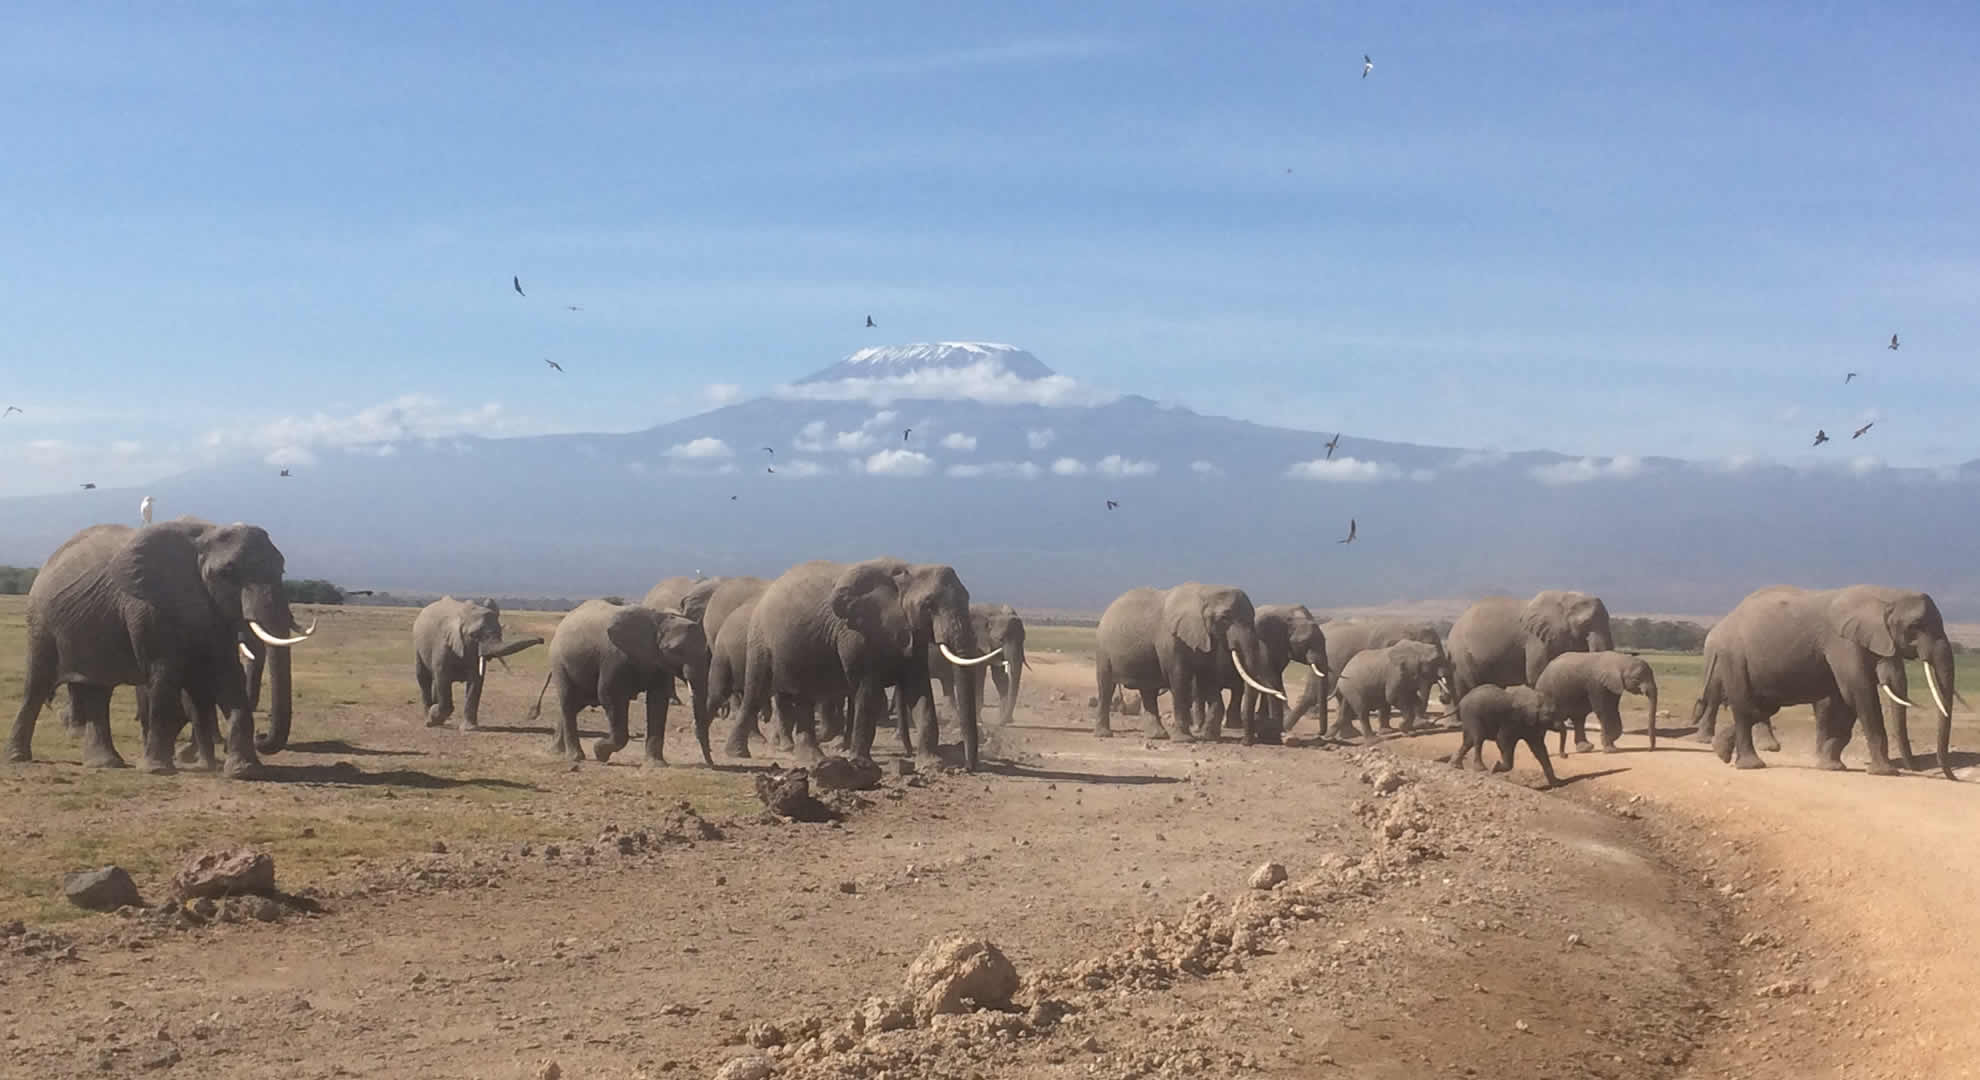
<point x="230" y="886"/>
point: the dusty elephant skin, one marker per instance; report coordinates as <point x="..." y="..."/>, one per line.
<point x="1507" y="717"/>
<point x="606" y="653"/>
<point x="1500" y="641"/>
<point x="1582" y="683"/>
<point x="1194" y="641"/>
<point x="1394" y="677"/>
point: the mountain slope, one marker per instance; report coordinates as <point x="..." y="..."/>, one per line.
<point x="981" y="456"/>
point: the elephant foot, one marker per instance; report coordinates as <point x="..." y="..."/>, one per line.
<point x="1764" y="740"/>
<point x="240" y="768"/>
<point x="1703" y="736"/>
<point x="188" y="754"/>
<point x="436" y="716"/>
<point x="1611" y="748"/>
<point x="736" y="750"/>
<point x="1500" y="766"/>
<point x="469" y="727"/>
<point x="784" y="743"/>
<point x="1881" y="768"/>
<point x="927" y="761"/>
<point x="1748" y="761"/>
<point x="1829" y="764"/>
<point x="1722" y="745"/>
<point x="655" y="761"/>
<point x="603" y="750"/>
<point x="1158" y="733"/>
<point x="1102" y="731"/>
<point x="18" y="756"/>
<point x="155" y="767"/>
<point x="107" y="759"/>
<point x="1583" y="746"/>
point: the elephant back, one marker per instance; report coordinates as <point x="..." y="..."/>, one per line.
<point x="1128" y="630"/>
<point x="78" y="563"/>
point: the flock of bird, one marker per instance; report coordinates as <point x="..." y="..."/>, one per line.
<point x="1821" y="435"/>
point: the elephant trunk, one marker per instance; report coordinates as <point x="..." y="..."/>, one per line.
<point x="266" y="611"/>
<point x="1651" y="693"/>
<point x="1009" y="678"/>
<point x="281" y="702"/>
<point x="704" y="713"/>
<point x="511" y="648"/>
<point x="1599" y="637"/>
<point x="955" y="636"/>
<point x="1938" y="665"/>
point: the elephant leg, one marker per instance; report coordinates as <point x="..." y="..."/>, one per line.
<point x="1833" y="721"/>
<point x="1212" y="727"/>
<point x="919" y="702"/>
<point x="1741" y="751"/>
<point x="1508" y="741"/>
<point x="1382" y="717"/>
<point x="1182" y="705"/>
<point x="1612" y="725"/>
<point x="90" y="706"/>
<point x="1103" y="676"/>
<point x="1309" y="692"/>
<point x="205" y="735"/>
<point x="1537" y="740"/>
<point x="1465" y="743"/>
<point x="1581" y="743"/>
<point x="168" y="717"/>
<point x="995" y="673"/>
<point x="471" y="708"/>
<point x="1344" y="721"/>
<point x="617" y="731"/>
<point x="43" y="663"/>
<point x="567" y="745"/>
<point x="1764" y="737"/>
<point x="796" y="715"/>
<point x="658" y="696"/>
<point x="1869" y="711"/>
<point x="443" y="700"/>
<point x="423" y="677"/>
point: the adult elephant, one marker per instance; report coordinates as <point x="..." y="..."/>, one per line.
<point x="453" y="641"/>
<point x="1500" y="641"/>
<point x="1705" y="724"/>
<point x="1180" y="640"/>
<point x="1290" y="635"/>
<point x="607" y="652"/>
<point x="1836" y="649"/>
<point x="1583" y="683"/>
<point x="1348" y="637"/>
<point x="824" y="632"/>
<point x="155" y="608"/>
<point x="728" y="669"/>
<point x="1000" y="625"/>
<point x="723" y="600"/>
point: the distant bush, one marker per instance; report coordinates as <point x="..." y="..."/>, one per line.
<point x="14" y="580"/>
<point x="312" y="591"/>
<point x="1662" y="635"/>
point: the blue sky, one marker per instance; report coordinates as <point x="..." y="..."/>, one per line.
<point x="1666" y="231"/>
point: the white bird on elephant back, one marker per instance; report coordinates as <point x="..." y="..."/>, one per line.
<point x="144" y="509"/>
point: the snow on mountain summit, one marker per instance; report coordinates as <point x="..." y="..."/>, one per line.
<point x="891" y="361"/>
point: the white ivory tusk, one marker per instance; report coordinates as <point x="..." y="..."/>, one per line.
<point x="952" y="658"/>
<point x="1932" y="684"/>
<point x="1894" y="698"/>
<point x="1317" y="673"/>
<point x="280" y="643"/>
<point x="246" y="653"/>
<point x="1251" y="682"/>
<point x="481" y="667"/>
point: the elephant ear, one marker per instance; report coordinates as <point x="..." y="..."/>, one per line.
<point x="860" y="581"/>
<point x="456" y="641"/>
<point x="1610" y="674"/>
<point x="679" y="639"/>
<point x="1861" y="619"/>
<point x="634" y="632"/>
<point x="1189" y="622"/>
<point x="1542" y="619"/>
<point x="163" y="568"/>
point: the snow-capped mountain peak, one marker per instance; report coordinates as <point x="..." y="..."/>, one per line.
<point x="890" y="361"/>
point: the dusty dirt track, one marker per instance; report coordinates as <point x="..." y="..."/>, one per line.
<point x="1658" y="916"/>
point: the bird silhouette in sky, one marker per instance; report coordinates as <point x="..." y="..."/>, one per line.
<point x="1112" y="505"/>
<point x="11" y="410"/>
<point x="1848" y="377"/>
<point x="1331" y="443"/>
<point x="553" y="363"/>
<point x="732" y="498"/>
<point x="516" y="280"/>
<point x="1349" y="538"/>
<point x="89" y="487"/>
<point x="285" y="472"/>
<point x="1864" y="428"/>
<point x="1367" y="65"/>
<point x="572" y="307"/>
<point x="1820" y="437"/>
<point x="905" y="434"/>
<point x="772" y="472"/>
<point x="1893" y="341"/>
<point x="869" y="322"/>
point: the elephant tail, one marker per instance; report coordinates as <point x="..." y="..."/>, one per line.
<point x="536" y="709"/>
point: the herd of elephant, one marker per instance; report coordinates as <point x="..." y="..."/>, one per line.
<point x="192" y="614"/>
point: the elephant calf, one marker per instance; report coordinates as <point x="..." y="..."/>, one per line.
<point x="1397" y="676"/>
<point x="1581" y="683"/>
<point x="606" y="653"/>
<point x="1507" y="717"/>
<point x="453" y="640"/>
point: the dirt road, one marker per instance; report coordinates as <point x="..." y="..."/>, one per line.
<point x="1658" y="916"/>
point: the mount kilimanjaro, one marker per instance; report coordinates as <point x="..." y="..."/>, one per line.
<point x="980" y="455"/>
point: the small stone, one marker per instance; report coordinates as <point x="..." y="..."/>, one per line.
<point x="105" y="889"/>
<point x="1522" y="1026"/>
<point x="549" y="1070"/>
<point x="956" y="974"/>
<point x="439" y="847"/>
<point x="764" y="1035"/>
<point x="1090" y="1045"/>
<point x="225" y="873"/>
<point x="1268" y="876"/>
<point x="752" y="1067"/>
<point x="162" y="1060"/>
<point x="849" y="887"/>
<point x="1783" y="988"/>
<point x="1573" y="940"/>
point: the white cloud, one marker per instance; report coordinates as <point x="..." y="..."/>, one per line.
<point x="411" y="416"/>
<point x="1116" y="465"/>
<point x="1066" y="466"/>
<point x="1040" y="438"/>
<point x="722" y="393"/>
<point x="1479" y="459"/>
<point x="1344" y="470"/>
<point x="956" y="440"/>
<point x="986" y="382"/>
<point x="899" y="463"/>
<point x="1205" y="468"/>
<point x="996" y="468"/>
<point x="289" y="455"/>
<point x="700" y="449"/>
<point x="1862" y="466"/>
<point x="881" y="419"/>
<point x="801" y="467"/>
<point x="1583" y="470"/>
<point x="1423" y="476"/>
<point x="813" y="440"/>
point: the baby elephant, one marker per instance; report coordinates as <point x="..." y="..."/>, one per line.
<point x="1581" y="683"/>
<point x="1508" y="717"/>
<point x="453" y="641"/>
<point x="1377" y="680"/>
<point x="607" y="652"/>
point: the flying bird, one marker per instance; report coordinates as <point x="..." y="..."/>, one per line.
<point x="89" y="487"/>
<point x="11" y="410"/>
<point x="1820" y="437"/>
<point x="572" y="307"/>
<point x="1331" y="443"/>
<point x="516" y="280"/>
<point x="869" y="322"/>
<point x="732" y="498"/>
<point x="553" y="363"/>
<point x="1367" y="65"/>
<point x="1112" y="505"/>
<point x="770" y="450"/>
<point x="772" y="472"/>
<point x="144" y="509"/>
<point x="1349" y="539"/>
<point x="1848" y="377"/>
<point x="1893" y="341"/>
<point x="905" y="434"/>
<point x="285" y="472"/>
<point x="1864" y="428"/>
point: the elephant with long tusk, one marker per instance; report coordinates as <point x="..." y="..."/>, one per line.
<point x="1842" y="651"/>
<point x="1183" y="640"/>
<point x="997" y="624"/>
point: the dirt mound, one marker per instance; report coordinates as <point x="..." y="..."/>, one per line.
<point x="788" y="795"/>
<point x="225" y="873"/>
